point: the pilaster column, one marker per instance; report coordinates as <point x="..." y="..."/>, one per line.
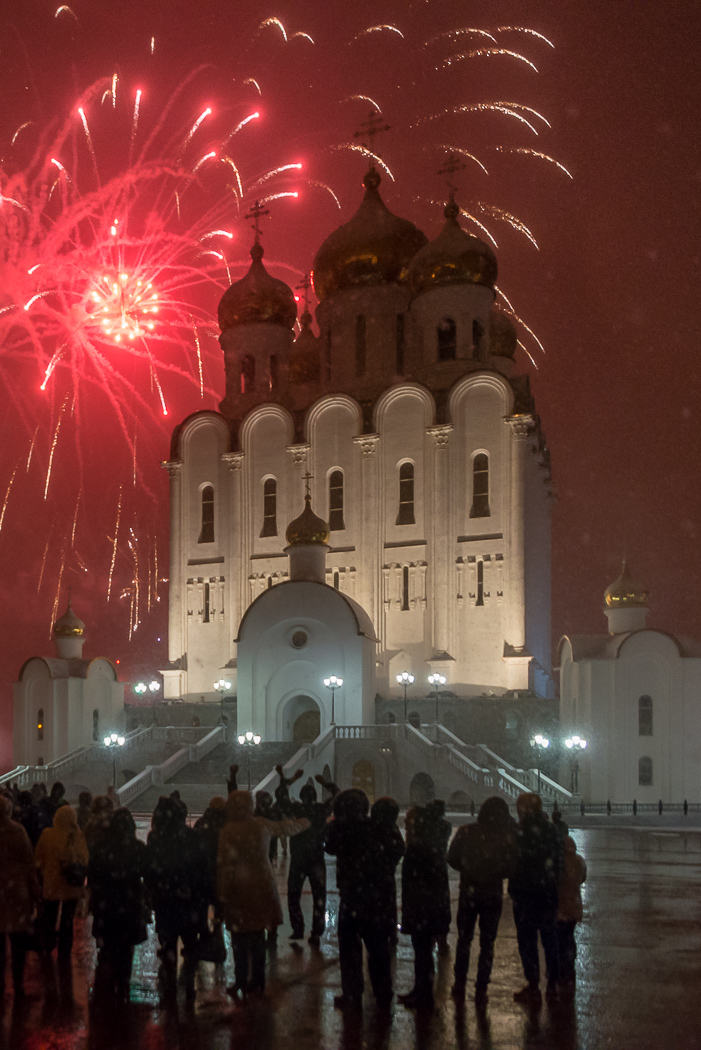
<point x="370" y="538"/>
<point x="438" y="509"/>
<point x="176" y="611"/>
<point x="521" y="426"/>
<point x="235" y="583"/>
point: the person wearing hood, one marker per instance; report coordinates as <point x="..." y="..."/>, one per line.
<point x="101" y="810"/>
<point x="59" y="847"/>
<point x="569" y="912"/>
<point x="19" y="895"/>
<point x="246" y="886"/>
<point x="307" y="860"/>
<point x="484" y="853"/>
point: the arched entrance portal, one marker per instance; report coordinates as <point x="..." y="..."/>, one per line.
<point x="301" y="720"/>
<point x="364" y="777"/>
<point x="421" y="790"/>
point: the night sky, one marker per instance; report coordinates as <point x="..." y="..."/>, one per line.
<point x="612" y="293"/>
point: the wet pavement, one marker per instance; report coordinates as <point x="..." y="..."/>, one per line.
<point x="639" y="979"/>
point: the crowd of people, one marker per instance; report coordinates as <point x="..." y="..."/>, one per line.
<point x="196" y="881"/>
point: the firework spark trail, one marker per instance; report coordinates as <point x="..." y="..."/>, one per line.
<point x="199" y="356"/>
<point x="505" y="216"/>
<point x="355" y="148"/>
<point x="57" y="599"/>
<point x="527" y="353"/>
<point x="323" y="186"/>
<point x="88" y="136"/>
<point x="256" y="85"/>
<point x="114" y="545"/>
<point x="278" y="196"/>
<point x="188" y="138"/>
<point x="31" y="449"/>
<point x="482" y="227"/>
<point x="155" y="567"/>
<point x="271" y="174"/>
<point x="464" y="153"/>
<point x="53" y="445"/>
<point x="68" y="10"/>
<point x="239" y="126"/>
<point x="363" y="98"/>
<point x="517" y="317"/>
<point x="485" y="52"/>
<point x="524" y="29"/>
<point x="133" y="460"/>
<point x="532" y="153"/>
<point x="276" y="23"/>
<point x="508" y="109"/>
<point x="302" y="36"/>
<point x="455" y="34"/>
<point x="202" y="160"/>
<point x="75" y="519"/>
<point x="26" y="124"/>
<point x="134" y="124"/>
<point x="134" y="589"/>
<point x="7" y="497"/>
<point x="377" y="29"/>
<point x="43" y="563"/>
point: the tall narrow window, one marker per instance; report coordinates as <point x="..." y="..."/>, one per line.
<point x="480" y="583"/>
<point x="40" y="724"/>
<point x="645" y="771"/>
<point x="447" y="339"/>
<point x="337" y="581"/>
<point x="272" y="374"/>
<point x="400" y="344"/>
<point x="96" y="724"/>
<point x="405" y="515"/>
<point x="477" y="337"/>
<point x="269" y="583"/>
<point x="405" y="588"/>
<point x="480" y="486"/>
<point x="248" y="374"/>
<point x="269" y="508"/>
<point x="360" y="344"/>
<point x="207" y="515"/>
<point x="206" y="607"/>
<point x="645" y="716"/>
<point x="336" y="522"/>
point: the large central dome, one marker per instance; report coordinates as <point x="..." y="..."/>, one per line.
<point x="374" y="247"/>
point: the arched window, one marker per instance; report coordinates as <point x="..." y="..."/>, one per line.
<point x="480" y="486"/>
<point x="405" y="588"/>
<point x="207" y="515"/>
<point x="399" y="346"/>
<point x="391" y="719"/>
<point x="405" y="515"/>
<point x="447" y="339"/>
<point x="269" y="583"/>
<point x="206" y="605"/>
<point x="272" y="375"/>
<point x="645" y="771"/>
<point x="480" y="583"/>
<point x="645" y="716"/>
<point x="248" y="374"/>
<point x="360" y="344"/>
<point x="337" y="581"/>
<point x="269" y="508"/>
<point x="40" y="724"/>
<point x="96" y="724"/>
<point x="477" y="337"/>
<point x="336" y="523"/>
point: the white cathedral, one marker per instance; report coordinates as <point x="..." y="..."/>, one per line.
<point x="407" y="422"/>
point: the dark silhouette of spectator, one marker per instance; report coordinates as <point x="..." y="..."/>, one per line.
<point x="207" y="830"/>
<point x="247" y="889"/>
<point x="19" y="894"/>
<point x="83" y="811"/>
<point x="171" y="880"/>
<point x="569" y="913"/>
<point x="425" y="894"/>
<point x="534" y="889"/>
<point x="383" y="817"/>
<point x="559" y="823"/>
<point x="115" y="874"/>
<point x="484" y="853"/>
<point x="101" y="811"/>
<point x="59" y="846"/>
<point x="26" y="813"/>
<point x="55" y="799"/>
<point x="307" y="860"/>
<point x="358" y="846"/>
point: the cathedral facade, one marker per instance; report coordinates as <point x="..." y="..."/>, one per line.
<point x="417" y="437"/>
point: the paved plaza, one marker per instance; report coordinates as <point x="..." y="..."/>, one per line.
<point x="639" y="979"/>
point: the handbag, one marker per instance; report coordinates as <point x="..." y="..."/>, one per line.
<point x="211" y="946"/>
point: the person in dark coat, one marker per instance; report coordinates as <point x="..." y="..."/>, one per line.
<point x="358" y="847"/>
<point x="383" y="817"/>
<point x="19" y="895"/>
<point x="307" y="860"/>
<point x="27" y="814"/>
<point x="115" y="875"/>
<point x="101" y="810"/>
<point x="484" y="853"/>
<point x="84" y="808"/>
<point x="534" y="889"/>
<point x="425" y="894"/>
<point x="171" y="880"/>
<point x="206" y="831"/>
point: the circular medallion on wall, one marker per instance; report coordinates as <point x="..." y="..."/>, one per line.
<point x="298" y="638"/>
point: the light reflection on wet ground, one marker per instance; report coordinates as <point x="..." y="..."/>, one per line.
<point x="639" y="978"/>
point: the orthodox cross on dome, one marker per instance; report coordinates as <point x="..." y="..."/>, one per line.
<point x="451" y="167"/>
<point x="256" y="213"/>
<point x="306" y="478"/>
<point x="371" y="127"/>
<point x="304" y="286"/>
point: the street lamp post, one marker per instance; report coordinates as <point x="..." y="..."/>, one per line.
<point x="249" y="740"/>
<point x="333" y="682"/>
<point x="435" y="680"/>
<point x="574" y="744"/>
<point x="114" y="741"/>
<point x="222" y="687"/>
<point x="540" y="743"/>
<point x="405" y="679"/>
<point x="153" y="687"/>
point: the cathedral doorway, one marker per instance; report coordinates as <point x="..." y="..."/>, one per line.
<point x="306" y="727"/>
<point x="364" y="778"/>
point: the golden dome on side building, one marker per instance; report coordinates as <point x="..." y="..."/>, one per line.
<point x="454" y="257"/>
<point x="374" y="247"/>
<point x="308" y="528"/>
<point x="69" y="625"/>
<point x="627" y="592"/>
<point x="257" y="298"/>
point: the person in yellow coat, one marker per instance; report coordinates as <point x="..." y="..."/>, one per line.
<point x="60" y="847"/>
<point x="246" y="886"/>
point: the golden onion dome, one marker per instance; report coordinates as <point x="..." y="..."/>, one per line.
<point x="69" y="625"/>
<point x="502" y="334"/>
<point x="626" y="591"/>
<point x="257" y="298"/>
<point x="454" y="257"/>
<point x="308" y="528"/>
<point x="374" y="247"/>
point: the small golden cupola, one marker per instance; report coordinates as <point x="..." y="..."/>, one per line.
<point x="308" y="528"/>
<point x="626" y="603"/>
<point x="69" y="635"/>
<point x="307" y="543"/>
<point x="454" y="257"/>
<point x="257" y="298"/>
<point x="374" y="247"/>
